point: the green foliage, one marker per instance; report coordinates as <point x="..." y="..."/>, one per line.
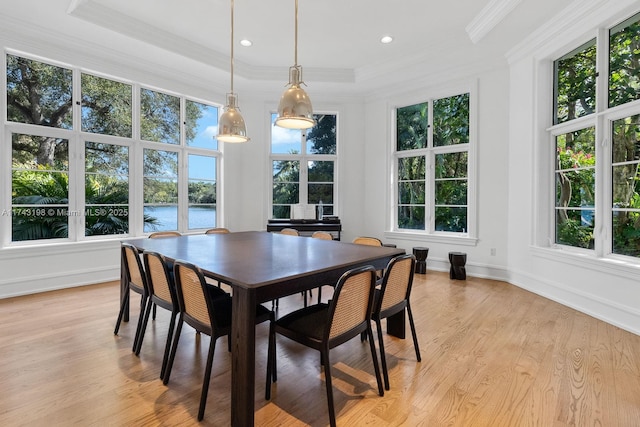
<point x="412" y="125"/>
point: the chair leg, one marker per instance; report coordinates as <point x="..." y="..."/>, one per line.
<point x="143" y="307"/>
<point x="376" y="367"/>
<point x="174" y="347"/>
<point x="324" y="355"/>
<point x="271" y="362"/>
<point x="123" y="305"/>
<point x="207" y="379"/>
<point x="413" y="333"/>
<point x="167" y="347"/>
<point x="138" y="344"/>
<point x="383" y="358"/>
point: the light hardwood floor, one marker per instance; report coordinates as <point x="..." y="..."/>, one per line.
<point x="492" y="355"/>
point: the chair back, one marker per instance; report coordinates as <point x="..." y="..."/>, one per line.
<point x="133" y="268"/>
<point x="351" y="305"/>
<point x="190" y="288"/>
<point x="396" y="284"/>
<point x="160" y="282"/>
<point x="322" y="235"/>
<point x="371" y="241"/>
<point x="217" y="230"/>
<point x="289" y="232"/>
<point x="158" y="234"/>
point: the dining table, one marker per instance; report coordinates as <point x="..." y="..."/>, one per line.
<point x="262" y="266"/>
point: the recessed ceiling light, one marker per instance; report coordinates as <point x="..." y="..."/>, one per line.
<point x="386" y="39"/>
<point x="246" y="43"/>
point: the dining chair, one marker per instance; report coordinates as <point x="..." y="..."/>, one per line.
<point x="217" y="230"/>
<point x="370" y="241"/>
<point x="162" y="293"/>
<point x="323" y="235"/>
<point x="157" y="234"/>
<point x="364" y="240"/>
<point x="392" y="298"/>
<point x="135" y="280"/>
<point x="325" y="326"/>
<point x="206" y="309"/>
<point x="290" y="232"/>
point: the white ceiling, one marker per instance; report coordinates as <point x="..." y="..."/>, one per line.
<point x="338" y="40"/>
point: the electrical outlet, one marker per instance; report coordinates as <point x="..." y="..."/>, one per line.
<point x="493" y="251"/>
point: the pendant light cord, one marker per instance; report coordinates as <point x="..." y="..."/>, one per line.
<point x="295" y="57"/>
<point x="232" y="2"/>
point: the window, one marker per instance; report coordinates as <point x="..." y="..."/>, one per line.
<point x="432" y="165"/>
<point x="72" y="162"/>
<point x="303" y="167"/>
<point x="603" y="135"/>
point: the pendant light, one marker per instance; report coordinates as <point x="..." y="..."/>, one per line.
<point x="295" y="110"/>
<point x="231" y="127"/>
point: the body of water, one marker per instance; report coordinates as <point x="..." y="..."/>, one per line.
<point x="167" y="216"/>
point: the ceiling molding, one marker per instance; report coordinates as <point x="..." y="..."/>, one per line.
<point x="490" y="16"/>
<point x="578" y="20"/>
<point x="113" y="20"/>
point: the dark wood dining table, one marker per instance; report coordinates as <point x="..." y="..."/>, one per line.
<point x="262" y="266"/>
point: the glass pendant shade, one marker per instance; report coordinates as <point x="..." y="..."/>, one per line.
<point x="231" y="126"/>
<point x="295" y="110"/>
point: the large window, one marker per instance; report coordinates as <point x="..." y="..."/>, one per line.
<point x="75" y="147"/>
<point x="432" y="165"/>
<point x="600" y="135"/>
<point x="303" y="167"/>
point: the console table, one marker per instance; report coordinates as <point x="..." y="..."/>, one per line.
<point x="306" y="227"/>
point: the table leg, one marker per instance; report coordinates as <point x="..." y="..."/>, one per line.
<point x="396" y="325"/>
<point x="123" y="286"/>
<point x="243" y="334"/>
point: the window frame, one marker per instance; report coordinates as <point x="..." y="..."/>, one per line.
<point x="602" y="120"/>
<point x="77" y="139"/>
<point x="429" y="234"/>
<point x="303" y="158"/>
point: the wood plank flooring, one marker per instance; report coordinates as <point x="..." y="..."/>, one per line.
<point x="492" y="355"/>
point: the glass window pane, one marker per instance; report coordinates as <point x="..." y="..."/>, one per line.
<point x="320" y="193"/>
<point x="106" y="106"/>
<point x="320" y="171"/>
<point x="321" y="139"/>
<point x="38" y="93"/>
<point x="626" y="139"/>
<point x="39" y="187"/>
<point x="626" y="233"/>
<point x="452" y="219"/>
<point x="624" y="62"/>
<point x="574" y="227"/>
<point x="202" y="191"/>
<point x="106" y="189"/>
<point x="451" y="120"/>
<point x="160" y="190"/>
<point x="159" y="117"/>
<point x="451" y="192"/>
<point x="412" y="193"/>
<point x="201" y="125"/>
<point x="412" y="168"/>
<point x="281" y="211"/>
<point x="285" y="193"/>
<point x="286" y="171"/>
<point x="412" y="125"/>
<point x="575" y="83"/>
<point x="451" y="165"/>
<point x="411" y="217"/>
<point x="285" y="141"/>
<point x="575" y="172"/>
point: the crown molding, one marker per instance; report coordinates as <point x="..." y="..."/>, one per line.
<point x="490" y="16"/>
<point x="578" y="20"/>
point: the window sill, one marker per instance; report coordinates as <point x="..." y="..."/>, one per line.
<point x="588" y="260"/>
<point x="446" y="238"/>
